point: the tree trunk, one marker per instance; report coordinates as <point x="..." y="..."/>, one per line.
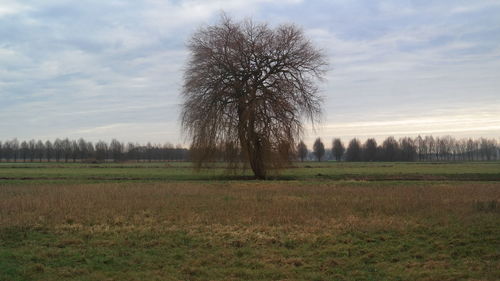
<point x="256" y="162"/>
<point x="252" y="146"/>
<point x="250" y="142"/>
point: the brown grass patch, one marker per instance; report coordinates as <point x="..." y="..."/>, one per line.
<point x="234" y="208"/>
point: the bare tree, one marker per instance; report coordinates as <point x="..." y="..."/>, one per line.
<point x="338" y="149"/>
<point x="14" y="146"/>
<point x="249" y="86"/>
<point x="101" y="150"/>
<point x="7" y="150"/>
<point x="66" y="148"/>
<point x="319" y="149"/>
<point x="370" y="150"/>
<point x="32" y="150"/>
<point x="487" y="148"/>
<point x="353" y="152"/>
<point x="462" y="147"/>
<point x="421" y="146"/>
<point x="131" y="151"/>
<point x="83" y="149"/>
<point x="408" y="151"/>
<point x="90" y="150"/>
<point x="49" y="150"/>
<point x="302" y="150"/>
<point x="39" y="148"/>
<point x="75" y="150"/>
<point x="24" y="150"/>
<point x="431" y="147"/>
<point x="58" y="149"/>
<point x="390" y="149"/>
<point x="149" y="151"/>
<point x="116" y="149"/>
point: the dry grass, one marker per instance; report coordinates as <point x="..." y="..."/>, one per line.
<point x="250" y="231"/>
<point x="248" y="205"/>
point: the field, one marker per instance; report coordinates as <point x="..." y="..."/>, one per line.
<point x="313" y="221"/>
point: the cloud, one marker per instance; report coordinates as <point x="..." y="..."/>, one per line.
<point x="9" y="8"/>
<point x="168" y="14"/>
<point x="115" y="67"/>
<point x="474" y="6"/>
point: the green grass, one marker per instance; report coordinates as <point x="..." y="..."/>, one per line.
<point x="316" y="221"/>
<point x="441" y="253"/>
<point x="180" y="171"/>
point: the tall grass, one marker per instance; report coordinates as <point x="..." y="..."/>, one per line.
<point x="282" y="204"/>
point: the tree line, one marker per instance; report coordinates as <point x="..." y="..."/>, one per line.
<point x="66" y="150"/>
<point x="426" y="148"/>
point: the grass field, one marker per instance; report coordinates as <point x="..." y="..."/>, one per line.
<point x="172" y="171"/>
<point x="314" y="221"/>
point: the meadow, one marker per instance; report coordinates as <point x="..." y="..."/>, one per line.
<point x="312" y="221"/>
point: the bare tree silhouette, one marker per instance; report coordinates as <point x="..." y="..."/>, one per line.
<point x="319" y="149"/>
<point x="338" y="149"/>
<point x="247" y="90"/>
<point x="302" y="151"/>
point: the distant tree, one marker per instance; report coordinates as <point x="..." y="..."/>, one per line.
<point x="90" y="150"/>
<point x="24" y="150"/>
<point x="370" y="150"/>
<point x="14" y="146"/>
<point x="116" y="149"/>
<point x="2" y="151"/>
<point x="75" y="150"/>
<point x="83" y="149"/>
<point x="101" y="150"/>
<point x="462" y="149"/>
<point x="169" y="151"/>
<point x="7" y="150"/>
<point x="444" y="145"/>
<point x="430" y="144"/>
<point x="67" y="149"/>
<point x="475" y="149"/>
<point x="319" y="149"/>
<point x="483" y="149"/>
<point x="31" y="150"/>
<point x="487" y="149"/>
<point x="338" y="149"/>
<point x="408" y="149"/>
<point x="454" y="149"/>
<point x="390" y="149"/>
<point x="353" y="152"/>
<point x="58" y="149"/>
<point x="39" y="149"/>
<point x="302" y="151"/>
<point x="421" y="147"/>
<point x="440" y="149"/>
<point x="149" y="152"/>
<point x="131" y="151"/>
<point x="493" y="149"/>
<point x="49" y="150"/>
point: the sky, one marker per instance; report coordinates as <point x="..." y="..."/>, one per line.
<point x="113" y="69"/>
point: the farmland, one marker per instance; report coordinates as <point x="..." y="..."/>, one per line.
<point x="312" y="221"/>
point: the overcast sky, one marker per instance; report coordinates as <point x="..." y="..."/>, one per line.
<point x="113" y="69"/>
